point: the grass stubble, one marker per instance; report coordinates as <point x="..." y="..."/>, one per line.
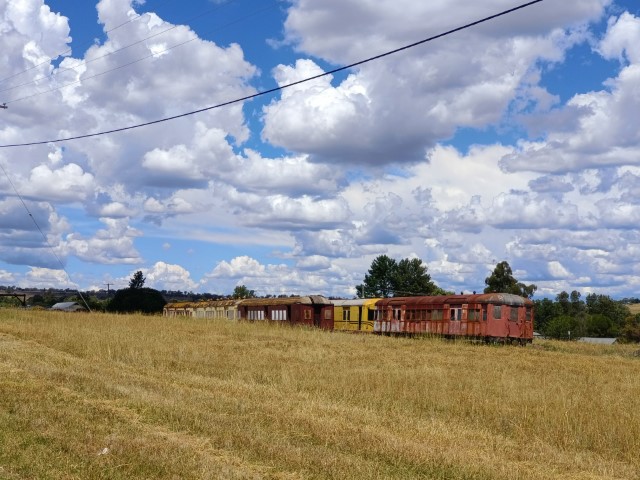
<point x="98" y="396"/>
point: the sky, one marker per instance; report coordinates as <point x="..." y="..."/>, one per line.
<point x="514" y="140"/>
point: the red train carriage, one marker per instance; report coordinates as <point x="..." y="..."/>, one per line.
<point x="313" y="310"/>
<point x="490" y="316"/>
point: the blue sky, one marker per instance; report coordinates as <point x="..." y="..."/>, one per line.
<point x="515" y="140"/>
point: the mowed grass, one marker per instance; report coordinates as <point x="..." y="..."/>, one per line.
<point x="96" y="396"/>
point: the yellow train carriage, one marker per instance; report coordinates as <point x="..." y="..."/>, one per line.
<point x="354" y="315"/>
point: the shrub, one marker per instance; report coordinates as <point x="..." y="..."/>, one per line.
<point x="144" y="300"/>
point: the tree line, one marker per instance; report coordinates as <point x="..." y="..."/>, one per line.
<point x="409" y="277"/>
<point x="570" y="316"/>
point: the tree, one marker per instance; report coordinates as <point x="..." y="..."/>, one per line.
<point x="563" y="327"/>
<point x="545" y="310"/>
<point x="599" y="325"/>
<point x="616" y="311"/>
<point x="144" y="300"/>
<point x="379" y="281"/>
<point x="631" y="329"/>
<point x="137" y="281"/>
<point x="387" y="278"/>
<point x="411" y="278"/>
<point x="243" y="292"/>
<point x="503" y="281"/>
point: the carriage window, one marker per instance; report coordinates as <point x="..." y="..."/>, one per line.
<point x="278" y="315"/>
<point x="513" y="314"/>
<point x="256" y="315"/>
<point x="307" y="314"/>
<point x="346" y="314"/>
<point x="473" y="315"/>
<point x="230" y="314"/>
<point x="456" y="314"/>
<point x="497" y="312"/>
<point x="436" y="315"/>
<point x="327" y="314"/>
<point x="527" y="314"/>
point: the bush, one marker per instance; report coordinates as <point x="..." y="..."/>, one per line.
<point x="144" y="300"/>
<point x="563" y="327"/>
<point x="631" y="329"/>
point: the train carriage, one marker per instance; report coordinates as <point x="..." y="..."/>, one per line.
<point x="497" y="316"/>
<point x="354" y="315"/>
<point x="211" y="309"/>
<point x="313" y="310"/>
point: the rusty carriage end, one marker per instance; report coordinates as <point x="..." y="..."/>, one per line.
<point x="492" y="316"/>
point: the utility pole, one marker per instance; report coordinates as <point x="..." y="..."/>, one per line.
<point x="108" y="285"/>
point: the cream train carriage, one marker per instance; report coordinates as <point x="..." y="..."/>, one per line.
<point x="211" y="309"/>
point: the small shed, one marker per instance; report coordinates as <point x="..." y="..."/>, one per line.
<point x="68" y="307"/>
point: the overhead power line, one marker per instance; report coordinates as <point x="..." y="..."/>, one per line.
<point x="124" y="65"/>
<point x="44" y="237"/>
<point x="61" y="54"/>
<point x="279" y="88"/>
<point x="58" y="71"/>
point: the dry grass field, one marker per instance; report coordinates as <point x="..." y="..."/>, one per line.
<point x="95" y="396"/>
<point x="634" y="308"/>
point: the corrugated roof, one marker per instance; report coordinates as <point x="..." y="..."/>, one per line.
<point x="202" y="304"/>
<point x="67" y="306"/>
<point x="493" y="298"/>
<point x="599" y="341"/>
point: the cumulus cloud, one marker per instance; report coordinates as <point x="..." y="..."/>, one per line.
<point x="164" y="276"/>
<point x="393" y="109"/>
<point x="238" y="267"/>
<point x="67" y="184"/>
<point x="604" y="133"/>
<point x="622" y="40"/>
<point x="45" y="277"/>
<point x="111" y="245"/>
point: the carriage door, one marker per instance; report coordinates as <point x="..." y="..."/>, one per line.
<point x="455" y="315"/>
<point x="397" y="316"/>
<point x="317" y="315"/>
<point x="514" y="327"/>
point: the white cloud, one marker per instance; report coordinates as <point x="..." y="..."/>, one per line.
<point x="69" y="183"/>
<point x="392" y="109"/>
<point x="164" y="276"/>
<point x="622" y="39"/>
<point x="238" y="267"/>
<point x="111" y="245"/>
<point x="45" y="277"/>
<point x="556" y="270"/>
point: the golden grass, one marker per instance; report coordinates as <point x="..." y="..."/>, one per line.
<point x="634" y="308"/>
<point x="93" y="396"/>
